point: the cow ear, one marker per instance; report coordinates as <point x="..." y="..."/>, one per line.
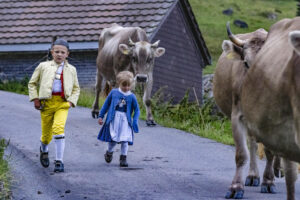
<point x="227" y="46"/>
<point x="294" y="38"/>
<point x="159" y="51"/>
<point x="229" y="49"/>
<point x="124" y="49"/>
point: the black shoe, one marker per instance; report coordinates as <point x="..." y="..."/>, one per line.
<point x="59" y="166"/>
<point x="123" y="162"/>
<point x="108" y="156"/>
<point x="44" y="158"/>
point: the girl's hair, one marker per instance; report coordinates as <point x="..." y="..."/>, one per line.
<point x="125" y="78"/>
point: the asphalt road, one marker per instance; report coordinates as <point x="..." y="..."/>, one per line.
<point x="164" y="163"/>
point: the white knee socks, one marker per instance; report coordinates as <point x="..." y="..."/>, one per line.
<point x="59" y="146"/>
<point x="111" y="146"/>
<point x="124" y="148"/>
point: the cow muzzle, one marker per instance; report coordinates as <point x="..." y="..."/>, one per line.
<point x="141" y="78"/>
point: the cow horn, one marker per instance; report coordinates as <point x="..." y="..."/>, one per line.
<point x="131" y="43"/>
<point x="155" y="45"/>
<point x="233" y="38"/>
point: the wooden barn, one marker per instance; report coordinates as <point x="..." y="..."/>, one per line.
<point x="27" y="28"/>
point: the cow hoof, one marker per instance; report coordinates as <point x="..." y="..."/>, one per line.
<point x="95" y="114"/>
<point x="150" y="123"/>
<point x="231" y="194"/>
<point x="252" y="181"/>
<point x="268" y="188"/>
<point x="279" y="173"/>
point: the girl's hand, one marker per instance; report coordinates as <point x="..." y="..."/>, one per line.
<point x="100" y="121"/>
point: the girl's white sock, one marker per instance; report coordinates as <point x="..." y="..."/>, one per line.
<point x="111" y="146"/>
<point x="124" y="148"/>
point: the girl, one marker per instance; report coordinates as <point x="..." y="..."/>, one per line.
<point x="119" y="126"/>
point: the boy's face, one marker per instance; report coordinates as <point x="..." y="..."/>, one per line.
<point x="59" y="53"/>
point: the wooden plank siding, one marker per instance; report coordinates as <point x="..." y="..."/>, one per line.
<point x="180" y="68"/>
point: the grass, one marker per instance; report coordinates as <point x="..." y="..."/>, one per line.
<point x="5" y="176"/>
<point x="188" y="116"/>
<point x="17" y="86"/>
<point x="212" y="21"/>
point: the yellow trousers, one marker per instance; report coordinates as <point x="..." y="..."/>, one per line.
<point x="53" y="118"/>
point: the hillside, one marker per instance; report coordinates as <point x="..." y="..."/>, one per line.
<point x="255" y="13"/>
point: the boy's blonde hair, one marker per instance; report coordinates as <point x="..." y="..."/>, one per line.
<point x="125" y="78"/>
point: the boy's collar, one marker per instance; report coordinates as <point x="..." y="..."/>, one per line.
<point x="55" y="64"/>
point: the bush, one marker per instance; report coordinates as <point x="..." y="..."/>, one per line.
<point x="18" y="86"/>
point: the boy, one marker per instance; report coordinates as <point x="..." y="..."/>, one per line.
<point x="54" y="88"/>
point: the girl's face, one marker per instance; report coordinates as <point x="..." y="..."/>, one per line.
<point x="124" y="87"/>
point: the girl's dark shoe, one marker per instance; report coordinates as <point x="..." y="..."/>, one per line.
<point x="59" y="166"/>
<point x="123" y="161"/>
<point x="108" y="156"/>
<point x="44" y="159"/>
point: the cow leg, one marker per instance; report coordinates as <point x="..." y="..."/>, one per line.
<point x="253" y="178"/>
<point x="236" y="190"/>
<point x="98" y="88"/>
<point x="278" y="170"/>
<point x="291" y="173"/>
<point x="268" y="185"/>
<point x="147" y="101"/>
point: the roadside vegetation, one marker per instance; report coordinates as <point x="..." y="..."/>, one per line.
<point x="5" y="175"/>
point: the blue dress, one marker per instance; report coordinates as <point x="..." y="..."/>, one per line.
<point x="118" y="127"/>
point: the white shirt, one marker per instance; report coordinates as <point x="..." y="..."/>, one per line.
<point x="57" y="82"/>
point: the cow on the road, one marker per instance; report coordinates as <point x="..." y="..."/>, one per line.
<point x="269" y="102"/>
<point x="126" y="48"/>
<point x="238" y="54"/>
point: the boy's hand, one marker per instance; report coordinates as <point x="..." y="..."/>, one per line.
<point x="100" y="121"/>
<point x="37" y="104"/>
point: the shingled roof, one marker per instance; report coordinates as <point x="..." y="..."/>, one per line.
<point x="30" y="25"/>
<point x="32" y="21"/>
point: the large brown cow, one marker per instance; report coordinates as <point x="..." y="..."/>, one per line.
<point x="269" y="103"/>
<point x="230" y="72"/>
<point x="126" y="48"/>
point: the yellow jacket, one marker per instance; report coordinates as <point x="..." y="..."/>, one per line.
<point x="43" y="76"/>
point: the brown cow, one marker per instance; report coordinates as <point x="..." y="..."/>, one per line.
<point x="230" y="72"/>
<point x="126" y="48"/>
<point x="269" y="104"/>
